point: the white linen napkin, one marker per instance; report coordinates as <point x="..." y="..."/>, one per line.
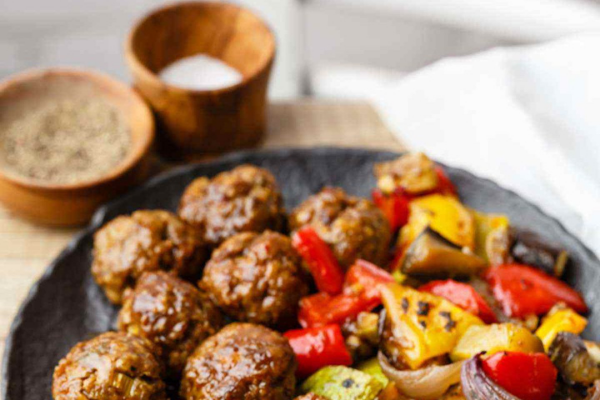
<point x="526" y="117"/>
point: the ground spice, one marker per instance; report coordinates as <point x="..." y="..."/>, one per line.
<point x="65" y="142"/>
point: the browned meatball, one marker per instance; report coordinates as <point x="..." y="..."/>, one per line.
<point x="172" y="314"/>
<point x="353" y="227"/>
<point x="241" y="362"/>
<point x="245" y="199"/>
<point x="257" y="278"/>
<point x="145" y="241"/>
<point x="112" y="366"/>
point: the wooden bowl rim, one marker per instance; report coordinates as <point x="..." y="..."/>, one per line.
<point x="138" y="153"/>
<point x="135" y="63"/>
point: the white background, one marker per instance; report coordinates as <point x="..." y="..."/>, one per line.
<point x="320" y="41"/>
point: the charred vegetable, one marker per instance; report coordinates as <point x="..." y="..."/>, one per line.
<point x="560" y="319"/>
<point x="527" y="248"/>
<point x="362" y="335"/>
<point x="413" y="173"/>
<point x="420" y="326"/>
<point x="342" y="383"/>
<point x="433" y="255"/>
<point x="494" y="338"/>
<point x="445" y="215"/>
<point x="428" y="383"/>
<point x="569" y="354"/>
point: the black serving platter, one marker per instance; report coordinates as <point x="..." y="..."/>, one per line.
<point x="65" y="306"/>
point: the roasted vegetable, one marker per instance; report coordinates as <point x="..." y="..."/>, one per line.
<point x="364" y="278"/>
<point x="464" y="296"/>
<point x="324" y="267"/>
<point x="322" y="309"/>
<point x="494" y="338"/>
<point x="524" y="290"/>
<point x="395" y="207"/>
<point x="594" y="349"/>
<point x="342" y="383"/>
<point x="373" y="368"/>
<point x="508" y="376"/>
<point x="476" y="385"/>
<point x="527" y="376"/>
<point x="576" y="366"/>
<point x="318" y="347"/>
<point x="529" y="249"/>
<point x="492" y="237"/>
<point x="413" y="173"/>
<point x="430" y="254"/>
<point x="559" y="319"/>
<point x="362" y="335"/>
<point x="445" y="215"/>
<point x="428" y="383"/>
<point x="420" y="326"/>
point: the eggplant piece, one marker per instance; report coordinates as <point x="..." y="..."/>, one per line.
<point x="570" y="356"/>
<point x="432" y="255"/>
<point x="528" y="248"/>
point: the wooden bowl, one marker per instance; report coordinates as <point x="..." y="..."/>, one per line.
<point x="74" y="204"/>
<point x="199" y="121"/>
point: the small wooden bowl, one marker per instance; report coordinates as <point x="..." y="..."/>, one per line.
<point x="74" y="204"/>
<point x="210" y="121"/>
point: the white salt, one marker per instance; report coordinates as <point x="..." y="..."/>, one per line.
<point x="200" y="72"/>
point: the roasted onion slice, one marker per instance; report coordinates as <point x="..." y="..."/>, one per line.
<point x="428" y="383"/>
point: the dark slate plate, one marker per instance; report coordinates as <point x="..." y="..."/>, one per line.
<point x="65" y="306"/>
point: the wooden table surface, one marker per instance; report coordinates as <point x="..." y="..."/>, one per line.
<point x="26" y="249"/>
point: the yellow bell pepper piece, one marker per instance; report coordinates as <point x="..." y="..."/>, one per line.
<point x="495" y="338"/>
<point x="423" y="325"/>
<point x="485" y="224"/>
<point x="560" y="320"/>
<point x="445" y="215"/>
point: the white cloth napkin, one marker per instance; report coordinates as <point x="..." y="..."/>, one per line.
<point x="526" y="117"/>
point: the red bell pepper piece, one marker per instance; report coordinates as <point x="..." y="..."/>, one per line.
<point x="445" y="185"/>
<point x="322" y="309"/>
<point x="364" y="278"/>
<point x="524" y="290"/>
<point x="527" y="376"/>
<point x="323" y="265"/>
<point x="316" y="348"/>
<point x="462" y="295"/>
<point x="394" y="206"/>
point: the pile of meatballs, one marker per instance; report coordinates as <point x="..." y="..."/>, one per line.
<point x="205" y="293"/>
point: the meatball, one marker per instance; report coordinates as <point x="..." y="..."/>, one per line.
<point x="172" y="314"/>
<point x="241" y="362"/>
<point x="257" y="278"/>
<point x="112" y="366"/>
<point x="353" y="227"/>
<point x="245" y="199"/>
<point x="145" y="241"/>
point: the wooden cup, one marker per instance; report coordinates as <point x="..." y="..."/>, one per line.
<point x="204" y="121"/>
<point x="74" y="203"/>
